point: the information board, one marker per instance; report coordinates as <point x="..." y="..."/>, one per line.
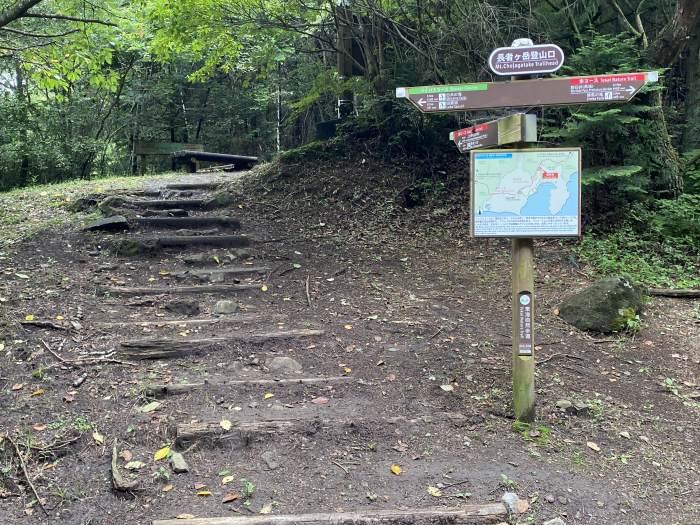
<point x="526" y="193"/>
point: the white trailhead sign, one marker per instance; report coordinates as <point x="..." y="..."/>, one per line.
<point x="526" y="192"/>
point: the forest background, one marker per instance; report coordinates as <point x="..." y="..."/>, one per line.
<point x="82" y="82"/>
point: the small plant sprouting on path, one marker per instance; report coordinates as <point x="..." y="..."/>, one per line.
<point x="508" y="483"/>
<point x="248" y="491"/>
<point x="539" y="435"/>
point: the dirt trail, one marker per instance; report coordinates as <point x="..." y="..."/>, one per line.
<point x="391" y="350"/>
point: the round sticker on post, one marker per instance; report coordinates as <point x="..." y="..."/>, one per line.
<point x="525" y="299"/>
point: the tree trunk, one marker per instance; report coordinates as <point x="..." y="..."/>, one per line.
<point x="665" y="162"/>
<point x="673" y="38"/>
<point x="23" y="99"/>
<point x="691" y="134"/>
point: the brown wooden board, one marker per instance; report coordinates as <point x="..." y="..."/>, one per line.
<point x="529" y="60"/>
<point x="538" y="92"/>
<point x="507" y="130"/>
<point x="164" y="148"/>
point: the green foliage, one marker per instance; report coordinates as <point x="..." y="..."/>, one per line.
<point x="539" y="435"/>
<point x="692" y="174"/>
<point x="625" y="155"/>
<point x="658" y="244"/>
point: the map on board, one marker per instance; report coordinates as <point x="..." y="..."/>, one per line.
<point x="526" y="193"/>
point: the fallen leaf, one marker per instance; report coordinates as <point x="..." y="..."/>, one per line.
<point x="68" y="398"/>
<point x="216" y="259"/>
<point x="347" y="369"/>
<point x="263" y="288"/>
<point x="198" y="486"/>
<point x="164" y="272"/>
<point x="126" y="455"/>
<point x="593" y="446"/>
<point x="59" y="318"/>
<point x="267" y="509"/>
<point x="168" y="488"/>
<point x="319" y="400"/>
<point x="38" y="392"/>
<point x="150" y="407"/>
<point x="395" y="469"/>
<point x="348" y="327"/>
<point x="22" y="276"/>
<point x="161" y="453"/>
<point x="99" y="438"/>
<point x="39" y="427"/>
<point x="18" y="386"/>
<point x="447" y="388"/>
<point x="184" y="516"/>
<point x="268" y="395"/>
<point x="226" y="480"/>
<point x="434" y="492"/>
<point x="225" y="424"/>
<point x="228" y="498"/>
<point x="296" y="265"/>
<point x="134" y="465"/>
<point x="204" y="493"/>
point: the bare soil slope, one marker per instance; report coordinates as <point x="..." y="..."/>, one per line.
<point x="364" y="365"/>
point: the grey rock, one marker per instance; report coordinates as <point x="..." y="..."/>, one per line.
<point x="562" y="500"/>
<point x="555" y="521"/>
<point x="549" y="498"/>
<point x="114" y="223"/>
<point x="510" y="500"/>
<point x="178" y="463"/>
<point x="604" y="307"/>
<point x="270" y="460"/>
<point x="581" y="408"/>
<point x="564" y="404"/>
<point x="225" y="307"/>
<point x="458" y="419"/>
<point x="283" y="364"/>
<point x="183" y="307"/>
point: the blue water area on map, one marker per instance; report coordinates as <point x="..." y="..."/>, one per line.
<point x="537" y="204"/>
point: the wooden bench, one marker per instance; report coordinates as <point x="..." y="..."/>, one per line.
<point x="188" y="159"/>
<point x="141" y="149"/>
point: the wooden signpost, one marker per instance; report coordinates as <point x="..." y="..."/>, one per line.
<point x="523" y="193"/>
<point x="508" y="130"/>
<point x="524" y="93"/>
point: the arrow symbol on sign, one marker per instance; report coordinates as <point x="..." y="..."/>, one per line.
<point x="630" y="89"/>
<point x="421" y="102"/>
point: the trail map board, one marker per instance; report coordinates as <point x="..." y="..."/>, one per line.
<point x="526" y="193"/>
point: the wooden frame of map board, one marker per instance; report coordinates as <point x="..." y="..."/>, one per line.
<point x="508" y="224"/>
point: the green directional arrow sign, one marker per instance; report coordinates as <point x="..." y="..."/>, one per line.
<point x="522" y="93"/>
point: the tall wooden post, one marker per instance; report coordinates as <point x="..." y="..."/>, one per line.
<point x="523" y="303"/>
<point x="523" y="330"/>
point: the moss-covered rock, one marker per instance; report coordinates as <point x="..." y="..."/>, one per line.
<point x="112" y="205"/>
<point x="607" y="306"/>
<point x="221" y="199"/>
<point x="131" y="247"/>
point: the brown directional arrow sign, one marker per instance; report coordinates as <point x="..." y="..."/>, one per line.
<point x="507" y="130"/>
<point x="538" y="92"/>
